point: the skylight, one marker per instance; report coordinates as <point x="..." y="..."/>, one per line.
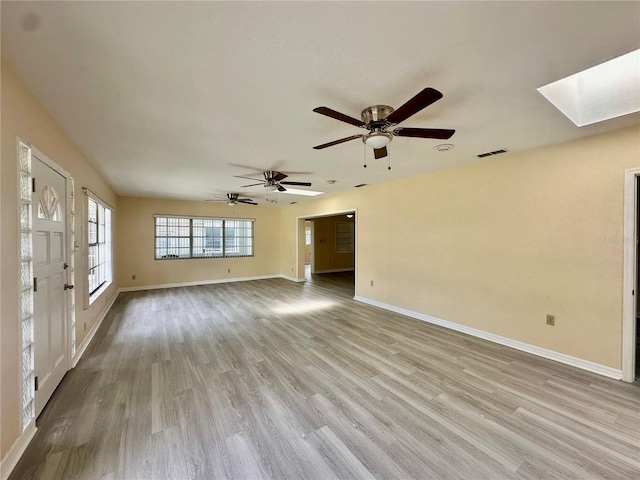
<point x="606" y="91"/>
<point x="308" y="193"/>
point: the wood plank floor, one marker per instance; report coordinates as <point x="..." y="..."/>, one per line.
<point x="273" y="379"/>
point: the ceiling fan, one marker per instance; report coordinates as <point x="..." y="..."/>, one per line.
<point x="234" y="199"/>
<point x="273" y="179"/>
<point x="378" y="119"/>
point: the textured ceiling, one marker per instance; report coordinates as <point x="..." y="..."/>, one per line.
<point x="163" y="97"/>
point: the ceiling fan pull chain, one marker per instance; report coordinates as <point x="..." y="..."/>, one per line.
<point x="389" y="158"/>
<point x="364" y="155"/>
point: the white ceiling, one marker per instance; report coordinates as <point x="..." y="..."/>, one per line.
<point x="163" y="96"/>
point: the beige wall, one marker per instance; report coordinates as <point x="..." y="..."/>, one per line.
<point x="324" y="245"/>
<point x="135" y="239"/>
<point x="24" y="117"/>
<point x="498" y="244"/>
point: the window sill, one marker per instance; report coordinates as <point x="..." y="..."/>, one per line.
<point x="95" y="295"/>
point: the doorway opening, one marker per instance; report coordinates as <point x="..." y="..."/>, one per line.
<point x="328" y="249"/>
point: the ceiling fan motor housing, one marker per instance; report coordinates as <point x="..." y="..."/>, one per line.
<point x="374" y="114"/>
<point x="375" y="121"/>
<point x="269" y="177"/>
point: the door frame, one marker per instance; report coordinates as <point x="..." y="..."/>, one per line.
<point x="300" y="243"/>
<point x="629" y="273"/>
<point x="37" y="155"/>
<point x="69" y="238"/>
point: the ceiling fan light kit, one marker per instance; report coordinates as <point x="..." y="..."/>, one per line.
<point x="377" y="140"/>
<point x="377" y="119"/>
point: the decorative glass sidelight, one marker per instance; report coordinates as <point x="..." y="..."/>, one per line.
<point x="26" y="284"/>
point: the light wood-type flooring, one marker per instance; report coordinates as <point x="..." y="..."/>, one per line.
<point x="274" y="379"/>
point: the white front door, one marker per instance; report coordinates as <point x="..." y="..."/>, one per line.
<point x="49" y="270"/>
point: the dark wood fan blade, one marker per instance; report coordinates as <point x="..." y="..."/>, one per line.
<point x="252" y="185"/>
<point x="301" y="184"/>
<point x="247" y="201"/>
<point x="248" y="167"/>
<point x="336" y="142"/>
<point x="339" y="116"/>
<point x="380" y="152"/>
<point x="422" y="100"/>
<point x="248" y="178"/>
<point x="279" y="176"/>
<point x="439" y="133"/>
<point x="275" y="168"/>
<point x="281" y="188"/>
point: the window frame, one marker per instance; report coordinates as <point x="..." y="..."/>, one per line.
<point x="223" y="237"/>
<point x="107" y="232"/>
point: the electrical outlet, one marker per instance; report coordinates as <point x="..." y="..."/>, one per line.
<point x="551" y="320"/>
<point x="133" y="277"/>
<point x="372" y="283"/>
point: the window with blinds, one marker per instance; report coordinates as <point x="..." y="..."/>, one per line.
<point x="201" y="237"/>
<point x="99" y="261"/>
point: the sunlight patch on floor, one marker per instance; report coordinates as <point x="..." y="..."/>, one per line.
<point x="302" y="307"/>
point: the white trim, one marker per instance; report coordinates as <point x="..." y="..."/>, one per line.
<point x="629" y="275"/>
<point x="90" y="193"/>
<point x="48" y="162"/>
<point x="87" y="339"/>
<point x="90" y="298"/>
<point x="96" y="295"/>
<point x="336" y="270"/>
<point x="508" y="342"/>
<point x="13" y="456"/>
<point x="293" y="279"/>
<point x="197" y="282"/>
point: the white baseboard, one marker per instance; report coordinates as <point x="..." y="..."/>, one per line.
<point x="197" y="282"/>
<point x="293" y="279"/>
<point x="507" y="342"/>
<point x="10" y="460"/>
<point x="87" y="339"/>
<point x="335" y="270"/>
